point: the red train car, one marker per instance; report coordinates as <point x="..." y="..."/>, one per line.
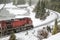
<point x="16" y="25"/>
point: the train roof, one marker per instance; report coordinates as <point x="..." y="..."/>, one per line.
<point x="15" y="18"/>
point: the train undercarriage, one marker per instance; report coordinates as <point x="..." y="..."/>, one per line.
<point x="7" y="31"/>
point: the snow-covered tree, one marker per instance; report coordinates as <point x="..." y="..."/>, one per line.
<point x="40" y="9"/>
<point x="37" y="9"/>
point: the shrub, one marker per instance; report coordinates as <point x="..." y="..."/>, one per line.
<point x="42" y="33"/>
<point x="12" y="37"/>
<point x="55" y="30"/>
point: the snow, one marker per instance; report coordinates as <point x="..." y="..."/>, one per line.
<point x="54" y="37"/>
<point x="19" y="11"/>
<point x="14" y="10"/>
<point x="21" y="36"/>
<point x="10" y="5"/>
<point x="1" y="5"/>
<point x="9" y="11"/>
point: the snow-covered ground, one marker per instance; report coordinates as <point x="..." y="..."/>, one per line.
<point x="32" y="33"/>
<point x="54" y="37"/>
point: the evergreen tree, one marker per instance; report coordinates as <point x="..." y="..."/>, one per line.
<point x="12" y="37"/>
<point x="21" y="2"/>
<point x="43" y="8"/>
<point x="40" y="9"/>
<point x="17" y="2"/>
<point x="37" y="7"/>
<point x="29" y="2"/>
<point x="1" y="1"/>
<point x="5" y="1"/>
<point x="55" y="29"/>
<point x="13" y="2"/>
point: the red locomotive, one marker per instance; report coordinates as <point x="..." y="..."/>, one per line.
<point x="17" y="25"/>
